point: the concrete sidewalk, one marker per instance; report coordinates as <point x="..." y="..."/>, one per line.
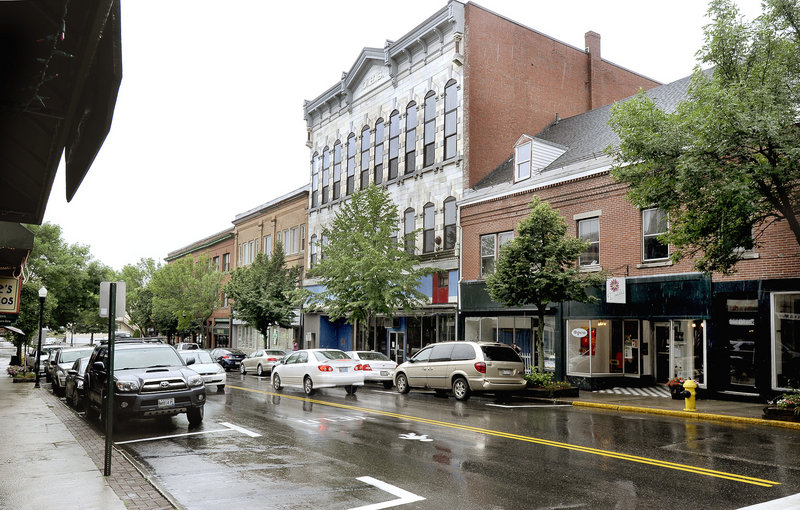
<point x="51" y="457"/>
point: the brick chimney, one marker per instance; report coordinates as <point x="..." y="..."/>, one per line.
<point x="593" y="49"/>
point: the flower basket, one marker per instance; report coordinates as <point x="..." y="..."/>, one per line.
<point x="675" y="386"/>
<point x="785" y="408"/>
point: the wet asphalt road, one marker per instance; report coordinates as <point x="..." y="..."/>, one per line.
<point x="258" y="448"/>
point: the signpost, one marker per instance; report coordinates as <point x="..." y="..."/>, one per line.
<point x="112" y="294"/>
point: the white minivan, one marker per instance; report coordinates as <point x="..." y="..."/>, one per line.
<point x="463" y="368"/>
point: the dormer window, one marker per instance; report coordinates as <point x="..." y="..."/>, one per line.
<point x="522" y="161"/>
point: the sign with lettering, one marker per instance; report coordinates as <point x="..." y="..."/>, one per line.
<point x="10" y="289"/>
<point x="615" y="290"/>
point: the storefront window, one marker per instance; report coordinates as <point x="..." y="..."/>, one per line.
<point x="603" y="347"/>
<point x="480" y="329"/>
<point x="687" y="350"/>
<point x="786" y="340"/>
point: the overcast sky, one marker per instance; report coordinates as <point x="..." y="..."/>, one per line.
<point x="209" y="118"/>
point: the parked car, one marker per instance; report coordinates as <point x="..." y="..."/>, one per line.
<point x="230" y="359"/>
<point x="30" y="359"/>
<point x="261" y="361"/>
<point x="60" y="361"/>
<point x="382" y="367"/>
<point x="211" y="371"/>
<point x="151" y="379"/>
<point x="464" y="368"/>
<point x="73" y="384"/>
<point x="310" y="369"/>
<point x="187" y="346"/>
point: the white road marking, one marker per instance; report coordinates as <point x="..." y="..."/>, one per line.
<point x="228" y="428"/>
<point x="404" y="497"/>
<point x="240" y="429"/>
<point x="413" y="436"/>
<point x="525" y="405"/>
<point x="787" y="503"/>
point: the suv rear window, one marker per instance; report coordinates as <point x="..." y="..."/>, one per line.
<point x="499" y="353"/>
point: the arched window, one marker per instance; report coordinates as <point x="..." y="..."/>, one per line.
<point x="337" y="169"/>
<point x="326" y="173"/>
<point x="408" y="230"/>
<point x="450" y="118"/>
<point x="428" y="155"/>
<point x="312" y="244"/>
<point x="351" y="164"/>
<point x="394" y="143"/>
<point x="365" y="157"/>
<point x="315" y="180"/>
<point x="449" y="223"/>
<point x="428" y="227"/>
<point x="379" y="151"/>
<point x="411" y="137"/>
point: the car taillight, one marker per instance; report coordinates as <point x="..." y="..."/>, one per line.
<point x="272" y="359"/>
<point x="480" y="367"/>
<point x="365" y="367"/>
<point x="325" y="368"/>
<point x="225" y="357"/>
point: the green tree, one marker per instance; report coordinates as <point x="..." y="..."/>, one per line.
<point x="187" y="290"/>
<point x="138" y="296"/>
<point x="364" y="268"/>
<point x="89" y="320"/>
<point x="265" y="292"/>
<point x="726" y="164"/>
<point x="539" y="266"/>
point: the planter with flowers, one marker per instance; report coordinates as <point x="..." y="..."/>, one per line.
<point x="21" y="374"/>
<point x="675" y="386"/>
<point x="785" y="408"/>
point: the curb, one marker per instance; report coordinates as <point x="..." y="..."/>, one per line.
<point x="689" y="414"/>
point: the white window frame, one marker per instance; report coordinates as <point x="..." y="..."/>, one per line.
<point x="524" y="164"/>
<point x="644" y="236"/>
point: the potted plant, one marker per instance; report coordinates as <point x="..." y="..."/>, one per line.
<point x="544" y="385"/>
<point x="21" y="374"/>
<point x="675" y="386"/>
<point x="786" y="407"/>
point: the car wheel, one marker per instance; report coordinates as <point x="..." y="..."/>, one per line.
<point x="220" y="387"/>
<point x="259" y="370"/>
<point x="242" y="369"/>
<point x="388" y="384"/>
<point x="350" y="389"/>
<point x="401" y="382"/>
<point x="276" y="382"/>
<point x="195" y="415"/>
<point x="308" y="385"/>
<point x="461" y="388"/>
<point x="55" y="387"/>
<point x="76" y="399"/>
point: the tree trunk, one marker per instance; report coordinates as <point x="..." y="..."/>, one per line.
<point x="540" y="309"/>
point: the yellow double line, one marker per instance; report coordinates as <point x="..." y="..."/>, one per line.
<point x="535" y="440"/>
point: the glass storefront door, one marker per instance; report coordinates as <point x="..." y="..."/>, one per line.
<point x="397" y="346"/>
<point x="680" y="349"/>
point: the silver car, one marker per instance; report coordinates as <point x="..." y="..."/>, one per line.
<point x="261" y="361"/>
<point x="463" y="368"/>
<point x="61" y="362"/>
<point x="381" y="367"/>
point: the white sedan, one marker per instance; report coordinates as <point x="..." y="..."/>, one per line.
<point x="211" y="371"/>
<point x="382" y="367"/>
<point x="310" y="369"/>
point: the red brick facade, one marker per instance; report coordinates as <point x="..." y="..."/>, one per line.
<point x="517" y="80"/>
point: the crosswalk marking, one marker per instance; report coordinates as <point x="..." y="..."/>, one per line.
<point x="650" y="391"/>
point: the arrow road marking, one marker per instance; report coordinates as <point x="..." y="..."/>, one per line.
<point x="404" y="497"/>
<point x="413" y="436"/>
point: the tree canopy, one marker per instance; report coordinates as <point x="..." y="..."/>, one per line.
<point x="139" y="297"/>
<point x="265" y="292"/>
<point x="726" y="164"/>
<point x="539" y="266"/>
<point x="364" y="267"/>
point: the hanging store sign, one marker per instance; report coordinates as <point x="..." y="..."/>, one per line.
<point x="10" y="289"/>
<point x="615" y="290"/>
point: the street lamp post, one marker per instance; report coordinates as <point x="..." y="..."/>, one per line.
<point x="42" y="296"/>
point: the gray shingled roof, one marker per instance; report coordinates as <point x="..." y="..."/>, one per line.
<point x="588" y="134"/>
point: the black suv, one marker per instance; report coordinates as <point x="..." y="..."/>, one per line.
<point x="150" y="379"/>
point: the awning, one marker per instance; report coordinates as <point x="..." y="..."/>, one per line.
<point x="222" y="330"/>
<point x="13" y="329"/>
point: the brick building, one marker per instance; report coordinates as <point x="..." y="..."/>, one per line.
<point x="218" y="247"/>
<point x="655" y="319"/>
<point x="429" y="115"/>
<point x="283" y="220"/>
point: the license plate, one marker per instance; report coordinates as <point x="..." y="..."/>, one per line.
<point x="166" y="402"/>
<point x="506" y="372"/>
<point x="384" y="373"/>
<point x="342" y="369"/>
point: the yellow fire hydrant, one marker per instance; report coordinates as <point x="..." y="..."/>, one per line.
<point x="689" y="394"/>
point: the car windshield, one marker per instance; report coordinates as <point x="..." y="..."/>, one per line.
<point x="373" y="356"/>
<point x="326" y="355"/>
<point x="499" y="353"/>
<point x="199" y="356"/>
<point x="237" y="352"/>
<point x="146" y="358"/>
<point x="71" y="356"/>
